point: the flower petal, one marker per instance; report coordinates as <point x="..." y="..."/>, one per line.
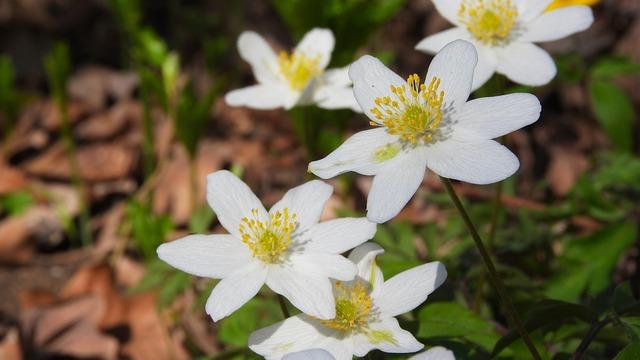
<point x="448" y="9"/>
<point x="231" y="200"/>
<point x="339" y="235"/>
<point x="325" y="265"/>
<point x="306" y="201"/>
<point x="261" y="97"/>
<point x="389" y="337"/>
<point x="337" y="77"/>
<point x="487" y="64"/>
<point x="234" y="291"/>
<point x="371" y="79"/>
<point x="313" y="354"/>
<point x="526" y="64"/>
<point x="558" y="24"/>
<point x="531" y="9"/>
<point x="312" y="294"/>
<point x="454" y="65"/>
<point x="489" y="118"/>
<point x="212" y="256"/>
<point x="394" y="186"/>
<point x="356" y="154"/>
<point x="317" y="43"/>
<point x="434" y="43"/>
<point x="364" y="256"/>
<point x="482" y="162"/>
<point x="435" y="353"/>
<point x="336" y="97"/>
<point x="407" y="290"/>
<point x="257" y="52"/>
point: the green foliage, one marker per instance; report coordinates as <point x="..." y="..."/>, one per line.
<point x="352" y="21"/>
<point x="9" y="103"/>
<point x="631" y="352"/>
<point x="147" y="229"/>
<point x="16" y="203"/>
<point x="255" y="314"/>
<point x="58" y="67"/>
<point x="192" y="117"/>
<point x="169" y="282"/>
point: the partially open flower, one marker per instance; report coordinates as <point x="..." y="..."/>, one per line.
<point x="427" y="124"/>
<point x="365" y="313"/>
<point x="285" y="248"/>
<point x="297" y="78"/>
<point x="504" y="31"/>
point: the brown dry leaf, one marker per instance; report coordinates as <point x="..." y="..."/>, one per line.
<point x="99" y="162"/>
<point x="564" y="169"/>
<point x="19" y="234"/>
<point x="50" y="114"/>
<point x="12" y="179"/>
<point x="94" y="85"/>
<point x="10" y="346"/>
<point x="109" y="238"/>
<point x="83" y="340"/>
<point x="107" y="124"/>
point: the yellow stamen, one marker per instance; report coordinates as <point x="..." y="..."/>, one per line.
<point x="298" y="69"/>
<point x="489" y="21"/>
<point x="353" y="305"/>
<point x="413" y="115"/>
<point x="268" y="240"/>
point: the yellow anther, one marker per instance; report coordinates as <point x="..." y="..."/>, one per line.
<point x="489" y="21"/>
<point x="353" y="306"/>
<point x="298" y="69"/>
<point x="268" y="240"/>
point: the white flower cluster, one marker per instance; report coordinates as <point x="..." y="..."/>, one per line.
<point x="347" y="307"/>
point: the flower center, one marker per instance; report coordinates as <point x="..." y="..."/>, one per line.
<point x="413" y="112"/>
<point x="298" y="69"/>
<point x="489" y="21"/>
<point x="268" y="240"/>
<point x="353" y="305"/>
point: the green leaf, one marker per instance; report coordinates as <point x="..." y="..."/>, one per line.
<point x="16" y="203"/>
<point x="147" y="229"/>
<point x="614" y="111"/>
<point x="624" y="302"/>
<point x="631" y="326"/>
<point x="451" y="320"/>
<point x="255" y="314"/>
<point x="587" y="263"/>
<point x="614" y="66"/>
<point x="630" y="352"/>
<point x="201" y="220"/>
<point x="172" y="287"/>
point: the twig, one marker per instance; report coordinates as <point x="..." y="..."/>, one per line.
<point x="591" y="335"/>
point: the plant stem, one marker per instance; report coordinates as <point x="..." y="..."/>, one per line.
<point x="193" y="182"/>
<point x="510" y="310"/>
<point x="591" y="335"/>
<point x="283" y="306"/>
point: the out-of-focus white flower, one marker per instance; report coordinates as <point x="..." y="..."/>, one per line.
<point x="504" y="32"/>
<point x="365" y="313"/>
<point x="286" y="248"/>
<point x="435" y="353"/>
<point x="427" y="125"/>
<point x="313" y="354"/>
<point x="289" y="79"/>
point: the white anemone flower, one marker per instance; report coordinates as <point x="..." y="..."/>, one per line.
<point x="435" y="353"/>
<point x="504" y="32"/>
<point x="285" y="248"/>
<point x="427" y="125"/>
<point x="313" y="354"/>
<point x="298" y="78"/>
<point x="365" y="313"/>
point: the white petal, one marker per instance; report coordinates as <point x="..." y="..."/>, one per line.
<point x="317" y="43"/>
<point x="448" y="9"/>
<point x="526" y="64"/>
<point x="257" y="52"/>
<point x="213" y="256"/>
<point x="234" y="291"/>
<point x="231" y="200"/>
<point x="356" y="154"/>
<point x="336" y="97"/>
<point x="261" y="97"/>
<point x="407" y="290"/>
<point x="402" y="340"/>
<point x="482" y="162"/>
<point x="487" y="64"/>
<point x="558" y="24"/>
<point x="489" y="118"/>
<point x="324" y="265"/>
<point x="339" y="235"/>
<point x="311" y="294"/>
<point x="293" y="334"/>
<point x="313" y="354"/>
<point x="531" y="9"/>
<point x="337" y="77"/>
<point x="394" y="186"/>
<point x="434" y="43"/>
<point x="371" y="79"/>
<point x="435" y="353"/>
<point x="364" y="256"/>
<point x="306" y="201"/>
<point x="454" y="65"/>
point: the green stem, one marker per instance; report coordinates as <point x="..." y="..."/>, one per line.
<point x="283" y="306"/>
<point x="510" y="310"/>
<point x="591" y="335"/>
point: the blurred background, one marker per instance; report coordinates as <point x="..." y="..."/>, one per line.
<point x="112" y="114"/>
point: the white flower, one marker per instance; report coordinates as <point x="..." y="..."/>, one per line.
<point x="286" y="248"/>
<point x="286" y="80"/>
<point x="435" y="353"/>
<point x="504" y="31"/>
<point x="313" y="354"/>
<point x="429" y="125"/>
<point x="365" y="313"/>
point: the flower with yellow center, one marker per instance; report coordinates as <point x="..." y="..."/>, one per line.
<point x="504" y="33"/>
<point x="564" y="3"/>
<point x="286" y="248"/>
<point x="365" y="314"/>
<point x="428" y="124"/>
<point x="299" y="77"/>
